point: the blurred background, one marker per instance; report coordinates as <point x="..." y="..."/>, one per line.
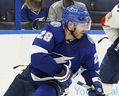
<point x="96" y="8"/>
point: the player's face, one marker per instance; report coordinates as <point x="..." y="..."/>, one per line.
<point x="78" y="31"/>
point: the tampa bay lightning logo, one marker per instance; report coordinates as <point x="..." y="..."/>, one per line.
<point x="117" y="47"/>
<point x="59" y="58"/>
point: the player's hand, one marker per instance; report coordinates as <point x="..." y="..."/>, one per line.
<point x="64" y="76"/>
<point x="98" y="89"/>
<point x="92" y="93"/>
<point x="64" y="79"/>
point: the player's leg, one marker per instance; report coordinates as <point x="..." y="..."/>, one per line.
<point x="46" y="90"/>
<point x="51" y="86"/>
<point x="22" y="85"/>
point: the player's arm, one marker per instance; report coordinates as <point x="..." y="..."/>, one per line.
<point x="91" y="67"/>
<point x="41" y="59"/>
<point x="90" y="74"/>
<point x="41" y="48"/>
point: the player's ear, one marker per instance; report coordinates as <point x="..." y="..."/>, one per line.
<point x="70" y="25"/>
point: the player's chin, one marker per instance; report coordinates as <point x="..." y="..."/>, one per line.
<point x="79" y="36"/>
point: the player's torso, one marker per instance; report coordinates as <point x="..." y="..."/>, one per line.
<point x="70" y="53"/>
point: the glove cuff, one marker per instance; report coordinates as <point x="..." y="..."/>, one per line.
<point x="97" y="85"/>
<point x="94" y="79"/>
<point x="64" y="75"/>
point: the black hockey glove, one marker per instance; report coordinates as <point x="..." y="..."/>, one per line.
<point x="64" y="77"/>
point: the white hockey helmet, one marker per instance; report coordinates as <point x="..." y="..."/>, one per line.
<point x="114" y="19"/>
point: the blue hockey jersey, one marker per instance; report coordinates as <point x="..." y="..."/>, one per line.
<point x="51" y="51"/>
<point x="28" y="15"/>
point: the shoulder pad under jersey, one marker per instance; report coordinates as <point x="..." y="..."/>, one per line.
<point x="55" y="24"/>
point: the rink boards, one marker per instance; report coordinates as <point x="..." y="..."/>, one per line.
<point x="15" y="49"/>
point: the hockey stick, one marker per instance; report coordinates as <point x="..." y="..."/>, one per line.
<point x="18" y="66"/>
<point x="102" y="39"/>
<point x="88" y="88"/>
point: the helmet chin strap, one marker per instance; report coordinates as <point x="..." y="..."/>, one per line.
<point x="72" y="32"/>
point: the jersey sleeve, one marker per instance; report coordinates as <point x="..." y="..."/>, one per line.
<point x="42" y="46"/>
<point x="90" y="65"/>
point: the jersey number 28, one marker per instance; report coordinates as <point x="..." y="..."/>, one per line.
<point x="47" y="36"/>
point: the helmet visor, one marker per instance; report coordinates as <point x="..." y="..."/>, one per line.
<point x="84" y="25"/>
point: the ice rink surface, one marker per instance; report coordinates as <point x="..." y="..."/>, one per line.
<point x="15" y="50"/>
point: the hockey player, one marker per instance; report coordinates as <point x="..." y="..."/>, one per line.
<point x="59" y="50"/>
<point x="110" y="62"/>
